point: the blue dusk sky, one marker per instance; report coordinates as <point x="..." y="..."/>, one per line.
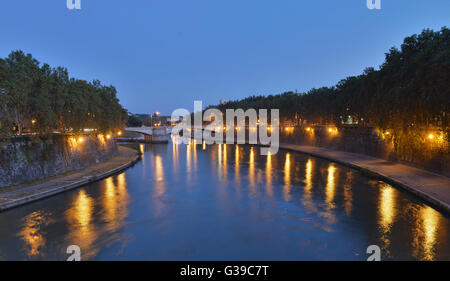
<point x="164" y="54"/>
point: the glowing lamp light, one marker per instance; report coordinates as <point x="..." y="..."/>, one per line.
<point x="431" y="136"/>
<point x="308" y="129"/>
<point x="108" y="137"/>
<point x="80" y="139"/>
<point x="119" y="133"/>
<point x="331" y="130"/>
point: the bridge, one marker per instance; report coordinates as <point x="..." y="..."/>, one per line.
<point x="152" y="134"/>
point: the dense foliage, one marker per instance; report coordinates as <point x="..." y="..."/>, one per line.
<point x="134" y="121"/>
<point x="37" y="98"/>
<point x="408" y="95"/>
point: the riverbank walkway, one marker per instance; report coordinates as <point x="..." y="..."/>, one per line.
<point x="21" y="194"/>
<point x="429" y="186"/>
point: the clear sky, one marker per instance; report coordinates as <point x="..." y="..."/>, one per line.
<point x="164" y="54"/>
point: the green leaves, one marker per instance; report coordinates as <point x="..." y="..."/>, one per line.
<point x="409" y="95"/>
<point x="41" y="99"/>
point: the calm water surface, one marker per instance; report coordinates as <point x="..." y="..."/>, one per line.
<point x="191" y="202"/>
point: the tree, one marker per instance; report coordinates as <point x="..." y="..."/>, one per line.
<point x="133" y="121"/>
<point x="40" y="100"/>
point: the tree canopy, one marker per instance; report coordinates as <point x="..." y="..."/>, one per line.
<point x="410" y="90"/>
<point x="37" y="98"/>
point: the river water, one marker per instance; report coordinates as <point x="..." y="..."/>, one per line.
<point x="226" y="202"/>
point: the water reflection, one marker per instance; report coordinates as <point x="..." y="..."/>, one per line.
<point x="159" y="176"/>
<point x="425" y="234"/>
<point x="387" y="213"/>
<point x="115" y="202"/>
<point x="280" y="206"/>
<point x="331" y="186"/>
<point x="330" y="190"/>
<point x="307" y="191"/>
<point x="194" y="147"/>
<point x="188" y="159"/>
<point x="225" y="162"/>
<point x="79" y="218"/>
<point x="287" y="178"/>
<point x="251" y="171"/>
<point x="430" y="222"/>
<point x="236" y="165"/>
<point x="348" y="193"/>
<point x="32" y="233"/>
<point x="387" y="207"/>
<point x="269" y="186"/>
<point x="175" y="157"/>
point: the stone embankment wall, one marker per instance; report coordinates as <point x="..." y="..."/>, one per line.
<point x="26" y="159"/>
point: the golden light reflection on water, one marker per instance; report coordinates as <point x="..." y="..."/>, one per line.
<point x="420" y="228"/>
<point x="219" y="159"/>
<point x="348" y="193"/>
<point x="430" y="221"/>
<point x="225" y="167"/>
<point x="188" y="159"/>
<point x="115" y="201"/>
<point x="32" y="233"/>
<point x="194" y="147"/>
<point x="175" y="158"/>
<point x="387" y="214"/>
<point x="269" y="187"/>
<point x="330" y="191"/>
<point x="159" y="176"/>
<point x="425" y="234"/>
<point x="79" y="218"/>
<point x="287" y="178"/>
<point x="251" y="171"/>
<point x="387" y="207"/>
<point x="308" y="177"/>
<point x="331" y="186"/>
<point x="236" y="164"/>
<point x="307" y="191"/>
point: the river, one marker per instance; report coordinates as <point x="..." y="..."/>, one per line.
<point x="227" y="202"/>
